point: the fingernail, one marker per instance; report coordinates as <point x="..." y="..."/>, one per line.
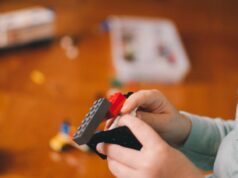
<point x="100" y="147"/>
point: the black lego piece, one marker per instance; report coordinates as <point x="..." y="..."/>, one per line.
<point x="120" y="135"/>
<point x="91" y="121"/>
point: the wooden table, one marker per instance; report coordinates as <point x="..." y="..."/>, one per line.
<point x="30" y="114"/>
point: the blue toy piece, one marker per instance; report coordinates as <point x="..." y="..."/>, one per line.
<point x="65" y="127"/>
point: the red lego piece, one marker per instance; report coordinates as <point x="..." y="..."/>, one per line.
<point x="117" y="100"/>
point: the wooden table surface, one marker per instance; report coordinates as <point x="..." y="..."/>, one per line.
<point x="30" y="114"/>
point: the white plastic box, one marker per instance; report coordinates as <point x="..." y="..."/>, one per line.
<point x="26" y="26"/>
<point x="147" y="50"/>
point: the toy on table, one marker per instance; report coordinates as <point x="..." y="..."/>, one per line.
<point x="64" y="139"/>
<point x="37" y="77"/>
<point x="146" y="50"/>
<point x="102" y="110"/>
<point x="26" y="27"/>
<point x="69" y="45"/>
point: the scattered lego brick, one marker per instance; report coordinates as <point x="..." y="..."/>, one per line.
<point x="69" y="45"/>
<point x="72" y="52"/>
<point x="37" y="77"/>
<point x="116" y="83"/>
<point x="66" y="42"/>
<point x="58" y="142"/>
<point x="64" y="139"/>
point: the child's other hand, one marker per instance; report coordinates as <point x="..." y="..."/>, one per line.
<point x="160" y="114"/>
<point x="156" y="159"/>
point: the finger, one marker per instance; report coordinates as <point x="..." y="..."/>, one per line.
<point x="149" y="99"/>
<point x="108" y="124"/>
<point x="120" y="170"/>
<point x="142" y="131"/>
<point x="112" y="123"/>
<point x="126" y="156"/>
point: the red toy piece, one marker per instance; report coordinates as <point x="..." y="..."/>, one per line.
<point x="117" y="100"/>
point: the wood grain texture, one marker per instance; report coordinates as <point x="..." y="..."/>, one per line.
<point x="30" y="114"/>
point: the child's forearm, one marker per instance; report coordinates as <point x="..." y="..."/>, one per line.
<point x="204" y="139"/>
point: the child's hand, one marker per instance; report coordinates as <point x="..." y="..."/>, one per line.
<point x="156" y="159"/>
<point x="160" y="114"/>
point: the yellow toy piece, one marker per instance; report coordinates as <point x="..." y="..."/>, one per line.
<point x="37" y="77"/>
<point x="64" y="138"/>
<point x="58" y="142"/>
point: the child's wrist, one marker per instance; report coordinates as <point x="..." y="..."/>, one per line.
<point x="185" y="129"/>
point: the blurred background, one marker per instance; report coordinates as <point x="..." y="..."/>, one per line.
<point x="57" y="62"/>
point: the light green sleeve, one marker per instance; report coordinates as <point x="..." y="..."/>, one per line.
<point x="204" y="139"/>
